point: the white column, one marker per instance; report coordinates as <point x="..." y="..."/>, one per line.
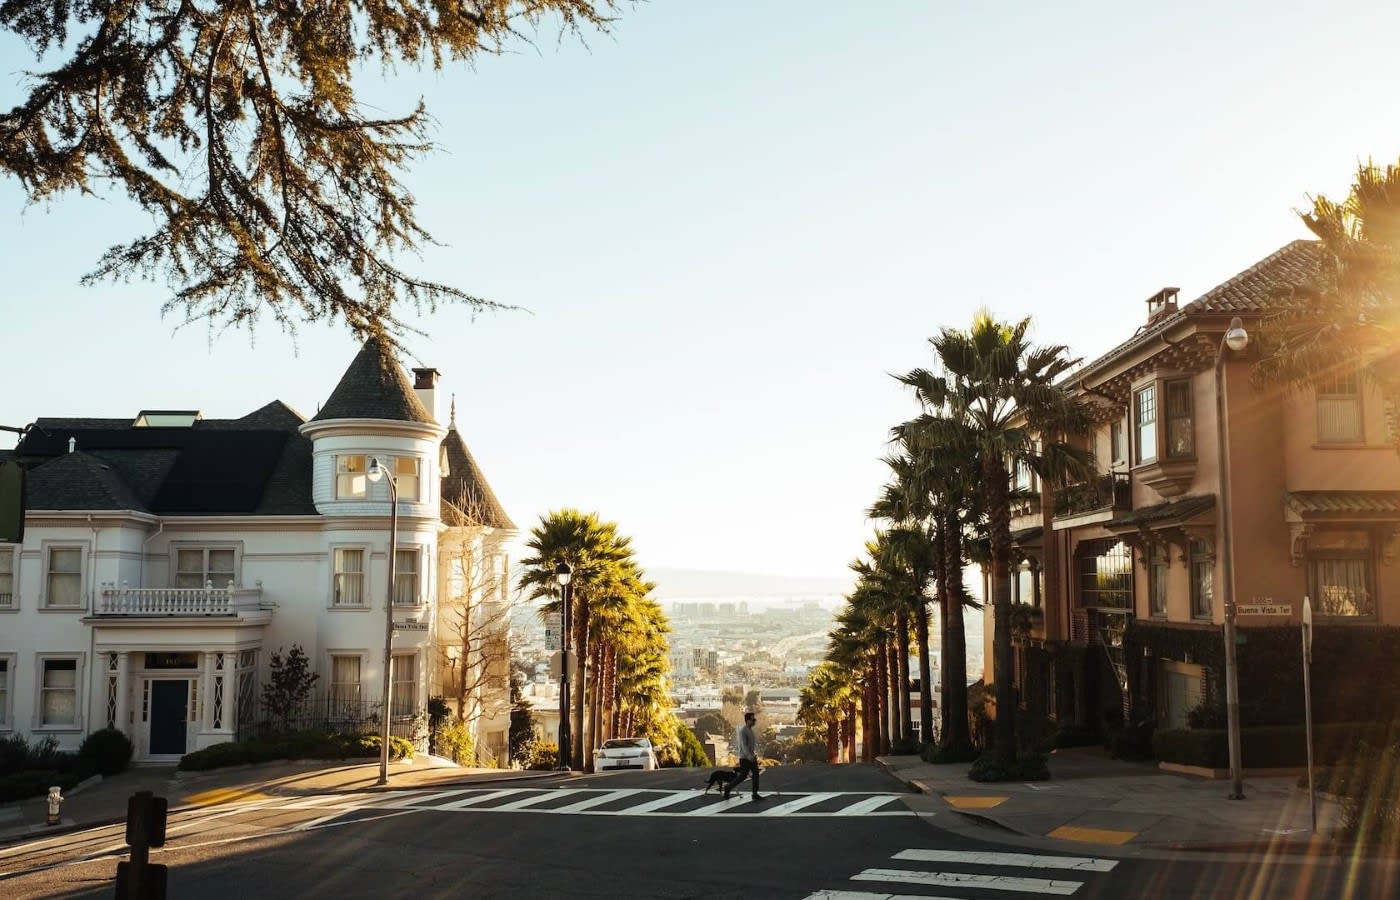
<point x="206" y="694"/>
<point x="124" y="722"/>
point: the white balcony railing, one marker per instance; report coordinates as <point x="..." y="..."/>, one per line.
<point x="188" y="602"/>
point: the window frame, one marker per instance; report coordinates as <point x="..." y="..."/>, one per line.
<point x="176" y="547"/>
<point x="11" y="553"/>
<point x="8" y="661"/>
<point x="417" y="478"/>
<point x="417" y="552"/>
<point x="365" y="556"/>
<point x="1368" y="559"/>
<point x="1201" y="557"/>
<point x="1139" y="445"/>
<point x="40" y="665"/>
<point x="45" y="584"/>
<point x="1165" y="416"/>
<point x="361" y="657"/>
<point x="1117" y="442"/>
<point x="1084" y="551"/>
<point x="344" y="473"/>
<point x="395" y="681"/>
<point x="1353" y="396"/>
<point x="1158" y="564"/>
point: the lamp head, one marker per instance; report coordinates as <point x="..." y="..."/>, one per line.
<point x="375" y="471"/>
<point x="1236" y="338"/>
<point x="562" y="573"/>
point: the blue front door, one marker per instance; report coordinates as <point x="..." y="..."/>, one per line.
<point x="169" y="700"/>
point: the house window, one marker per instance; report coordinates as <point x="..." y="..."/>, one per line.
<point x="349" y="587"/>
<point x="406" y="578"/>
<point x="1339" y="573"/>
<point x="345" y="686"/>
<point x="7" y="578"/>
<point x="1105" y="569"/>
<point x="58" y="689"/>
<point x="1027" y="585"/>
<point x="1181" y="432"/>
<point x="1339" y="409"/>
<point x="5" y="694"/>
<point x="350" y="477"/>
<point x="197" y="566"/>
<point x="406" y="476"/>
<point x="64" y="581"/>
<point x="1115" y="443"/>
<point x="1157" y="580"/>
<point x="1202" y="556"/>
<point x="1145" y="424"/>
<point x="405" y="681"/>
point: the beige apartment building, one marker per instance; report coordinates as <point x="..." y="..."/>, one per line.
<point x="1119" y="586"/>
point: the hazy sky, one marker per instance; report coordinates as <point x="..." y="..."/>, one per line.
<point x="731" y="219"/>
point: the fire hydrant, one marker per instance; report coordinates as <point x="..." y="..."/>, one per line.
<point x="55" y="801"/>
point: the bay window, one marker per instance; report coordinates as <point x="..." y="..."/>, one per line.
<point x="1340" y="571"/>
<point x="1145" y="424"/>
<point x="350" y="472"/>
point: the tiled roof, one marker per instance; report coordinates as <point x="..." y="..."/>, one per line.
<point x="1171" y="511"/>
<point x="258" y="465"/>
<point x="374" y="387"/>
<point x="1345" y="504"/>
<point x="1259" y="288"/>
<point x="1027" y="535"/>
<point x="466" y="497"/>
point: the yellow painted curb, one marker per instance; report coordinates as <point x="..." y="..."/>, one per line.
<point x="1092" y="835"/>
<point x="975" y="802"/>
<point x="223" y="795"/>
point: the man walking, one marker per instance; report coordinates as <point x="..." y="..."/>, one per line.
<point x="746" y="746"/>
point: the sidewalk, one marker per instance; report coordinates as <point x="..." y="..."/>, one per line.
<point x="1093" y="799"/>
<point x="103" y="801"/>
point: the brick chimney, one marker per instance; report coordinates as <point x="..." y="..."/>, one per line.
<point x="1162" y="303"/>
<point x="425" y="386"/>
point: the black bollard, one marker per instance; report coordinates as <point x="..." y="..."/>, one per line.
<point x="138" y="879"/>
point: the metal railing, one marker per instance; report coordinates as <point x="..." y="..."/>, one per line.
<point x="1105" y="492"/>
<point x="7" y="600"/>
<point x="193" y="602"/>
<point x="336" y="712"/>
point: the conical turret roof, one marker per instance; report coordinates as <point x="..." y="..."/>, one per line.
<point x="466" y="497"/>
<point x="375" y="387"/>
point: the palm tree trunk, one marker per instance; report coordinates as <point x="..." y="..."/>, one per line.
<point x="833" y="735"/>
<point x="925" y="672"/>
<point x="870" y="729"/>
<point x="906" y="724"/>
<point x="994" y="481"/>
<point x="956" y="733"/>
<point x="580" y="679"/>
<point x="595" y="702"/>
<point x="892" y="689"/>
<point x="849" y="729"/>
<point x="882" y="702"/>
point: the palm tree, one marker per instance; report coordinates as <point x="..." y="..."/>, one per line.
<point x="594" y="550"/>
<point x="886" y="582"/>
<point x="824" y="702"/>
<point x="1350" y="314"/>
<point x="1001" y="395"/>
<point x="857" y="644"/>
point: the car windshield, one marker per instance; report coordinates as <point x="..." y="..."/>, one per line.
<point x="622" y="742"/>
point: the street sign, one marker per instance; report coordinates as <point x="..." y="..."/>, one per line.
<point x="1264" y="606"/>
<point x="553" y="625"/>
<point x="411" y="625"/>
<point x="555" y="659"/>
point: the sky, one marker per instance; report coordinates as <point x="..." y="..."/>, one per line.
<point x="728" y="222"/>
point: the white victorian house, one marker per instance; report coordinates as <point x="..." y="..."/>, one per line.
<point x="167" y="556"/>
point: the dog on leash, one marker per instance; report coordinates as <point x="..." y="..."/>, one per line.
<point x="719" y="778"/>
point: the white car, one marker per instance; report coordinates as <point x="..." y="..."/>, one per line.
<point x="625" y="753"/>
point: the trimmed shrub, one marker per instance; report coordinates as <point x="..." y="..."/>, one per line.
<point x="932" y="753"/>
<point x="1071" y="735"/>
<point x="456" y="742"/>
<point x="1026" y="767"/>
<point x="905" y="746"/>
<point x="21" y="785"/>
<point x="1265" y="747"/>
<point x="1132" y="742"/>
<point x="108" y="751"/>
<point x="543" y="755"/>
<point x="298" y="745"/>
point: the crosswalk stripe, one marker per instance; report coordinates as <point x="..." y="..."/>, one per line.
<point x="866" y="895"/>
<point x="964" y="879"/>
<point x="792" y="806"/>
<point x="870" y="804"/>
<point x="596" y="800"/>
<point x="670" y="799"/>
<point x="1024" y="860"/>
<point x="418" y="798"/>
<point x="477" y="798"/>
<point x="538" y="798"/>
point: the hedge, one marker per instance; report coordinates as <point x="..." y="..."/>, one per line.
<point x="299" y="745"/>
<point x="1265" y="747"/>
<point x="20" y="785"/>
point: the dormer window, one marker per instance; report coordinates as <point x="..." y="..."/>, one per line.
<point x="167" y="418"/>
<point x="350" y="482"/>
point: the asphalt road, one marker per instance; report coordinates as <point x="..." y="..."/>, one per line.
<point x="834" y="833"/>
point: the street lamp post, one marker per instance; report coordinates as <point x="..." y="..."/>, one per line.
<point x="563" y="574"/>
<point x="375" y="472"/>
<point x="1235" y="339"/>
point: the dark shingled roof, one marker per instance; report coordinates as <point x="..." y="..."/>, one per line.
<point x="257" y="465"/>
<point x="1345" y="504"/>
<point x="466" y="497"/>
<point x="374" y="387"/>
<point x="1171" y="511"/>
<point x="1263" y="286"/>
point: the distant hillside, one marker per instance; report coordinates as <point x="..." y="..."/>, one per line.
<point x="682" y="583"/>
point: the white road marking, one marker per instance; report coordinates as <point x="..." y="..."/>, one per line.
<point x="792" y="806"/>
<point x="596" y="800"/>
<point x="966" y="880"/>
<point x="417" y="798"/>
<point x="538" y="798"/>
<point x="1023" y="860"/>
<point x="870" y="804"/>
<point x="865" y="895"/>
<point x="670" y="799"/>
<point x="473" y="800"/>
